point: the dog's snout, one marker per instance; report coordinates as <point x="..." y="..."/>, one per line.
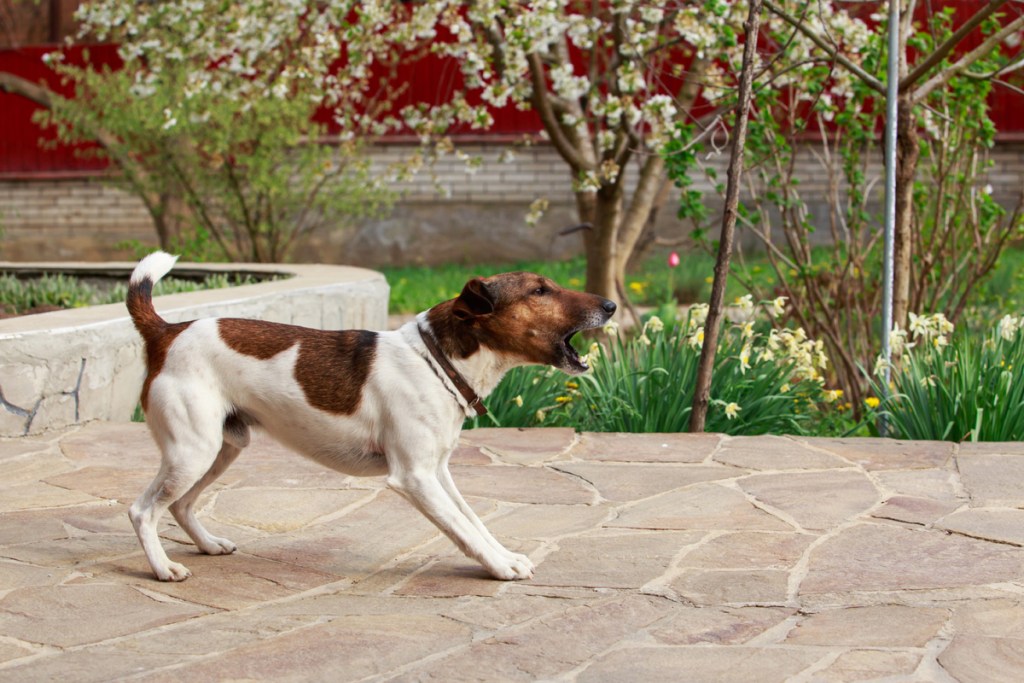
<point x="609" y="306"/>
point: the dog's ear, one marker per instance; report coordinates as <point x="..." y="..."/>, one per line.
<point x="475" y="300"/>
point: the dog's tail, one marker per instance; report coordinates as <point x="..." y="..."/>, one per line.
<point x="140" y="293"/>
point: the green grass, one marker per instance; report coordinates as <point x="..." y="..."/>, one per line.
<point x="414" y="289"/>
<point x="18" y="296"/>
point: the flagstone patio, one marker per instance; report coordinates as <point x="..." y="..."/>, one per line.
<point x="659" y="557"/>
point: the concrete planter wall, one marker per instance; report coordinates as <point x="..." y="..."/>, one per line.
<point x="68" y="367"/>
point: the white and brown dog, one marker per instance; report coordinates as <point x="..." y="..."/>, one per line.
<point x="363" y="403"/>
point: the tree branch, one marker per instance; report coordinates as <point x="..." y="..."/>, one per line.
<point x="967" y="60"/>
<point x="550" y="119"/>
<point x="943" y="50"/>
<point x="860" y="73"/>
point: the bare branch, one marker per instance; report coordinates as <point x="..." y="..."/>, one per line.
<point x="551" y="123"/>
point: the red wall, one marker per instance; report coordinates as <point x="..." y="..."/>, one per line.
<point x="428" y="80"/>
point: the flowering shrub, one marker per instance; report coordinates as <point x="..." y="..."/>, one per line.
<point x="763" y="381"/>
<point x="956" y="386"/>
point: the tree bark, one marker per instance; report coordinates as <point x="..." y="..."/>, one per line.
<point x="907" y="153"/>
<point x="702" y="390"/>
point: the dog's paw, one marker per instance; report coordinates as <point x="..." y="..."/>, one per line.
<point x="218" y="546"/>
<point x="174" y="571"/>
<point x="514" y="568"/>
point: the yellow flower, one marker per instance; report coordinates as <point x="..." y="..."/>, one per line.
<point x="572" y="385"/>
<point x="872" y="402"/>
<point x="784" y="388"/>
<point x="637" y="287"/>
<point x="518" y="400"/>
<point x="575" y="282"/>
<point x="709" y="279"/>
<point x="563" y="399"/>
<point x="833" y="395"/>
<point x="731" y="409"/>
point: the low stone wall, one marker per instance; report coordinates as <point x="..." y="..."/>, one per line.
<point x="69" y="367"/>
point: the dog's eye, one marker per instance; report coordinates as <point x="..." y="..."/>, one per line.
<point x="541" y="291"/>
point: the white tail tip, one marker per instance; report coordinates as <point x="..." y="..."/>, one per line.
<point x="153" y="267"/>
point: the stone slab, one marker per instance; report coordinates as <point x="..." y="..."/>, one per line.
<point x="276" y="511"/>
<point x="552" y="645"/>
<point x="886" y="454"/>
<point x="702" y="506"/>
<point x="749" y="550"/>
<point x="871" y="665"/>
<point x="913" y="510"/>
<point x="1000" y="525"/>
<point x="718" y="625"/>
<point x="984" y="659"/>
<point x="993" y="480"/>
<point x="940" y="485"/>
<point x="522" y="485"/>
<point x="712" y="587"/>
<point x="884" y="557"/>
<point x="722" y="665"/>
<point x="872" y="626"/>
<point x="69" y="615"/>
<point x="522" y="446"/>
<point x="774" y="453"/>
<point x="612" y="559"/>
<point x="815" y="500"/>
<point x="346" y="649"/>
<point x="691" y="448"/>
<point x="620" y="482"/>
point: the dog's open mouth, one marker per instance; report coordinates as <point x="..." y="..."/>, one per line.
<point x="573" y="362"/>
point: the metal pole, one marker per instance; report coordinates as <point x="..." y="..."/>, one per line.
<point x="892" y="92"/>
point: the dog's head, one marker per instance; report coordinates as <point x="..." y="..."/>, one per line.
<point x="522" y="315"/>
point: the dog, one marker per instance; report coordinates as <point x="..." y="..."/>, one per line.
<point x="360" y="402"/>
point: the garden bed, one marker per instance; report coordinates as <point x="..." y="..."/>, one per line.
<point x="72" y="366"/>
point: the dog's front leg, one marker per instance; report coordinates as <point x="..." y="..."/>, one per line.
<point x="448" y="483"/>
<point x="421" y="486"/>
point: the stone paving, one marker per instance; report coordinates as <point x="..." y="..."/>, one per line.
<point x="659" y="558"/>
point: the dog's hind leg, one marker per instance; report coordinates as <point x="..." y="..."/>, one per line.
<point x="187" y="457"/>
<point x="236" y="437"/>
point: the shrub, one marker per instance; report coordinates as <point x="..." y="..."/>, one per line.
<point x="764" y="381"/>
<point x="954" y="386"/>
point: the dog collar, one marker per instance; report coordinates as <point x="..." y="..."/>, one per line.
<point x="458" y="380"/>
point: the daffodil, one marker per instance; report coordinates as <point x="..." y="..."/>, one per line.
<point x="731" y="409"/>
<point x="518" y="400"/>
<point x="654" y="324"/>
<point x="778" y="306"/>
<point x="611" y="328"/>
<point x="1008" y="327"/>
<point x="872" y="402"/>
<point x="745" y="359"/>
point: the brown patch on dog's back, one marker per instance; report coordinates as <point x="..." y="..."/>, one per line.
<point x="157" y="344"/>
<point x="332" y="367"/>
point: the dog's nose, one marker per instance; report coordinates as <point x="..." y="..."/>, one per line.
<point x="609" y="306"/>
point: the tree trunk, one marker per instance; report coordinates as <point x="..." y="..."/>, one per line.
<point x="702" y="390"/>
<point x="907" y="153"/>
<point x="603" y="210"/>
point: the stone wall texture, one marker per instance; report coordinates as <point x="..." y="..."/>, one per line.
<point x="73" y="366"/>
<point x="446" y="214"/>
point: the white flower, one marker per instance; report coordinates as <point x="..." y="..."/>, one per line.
<point x="611" y="328"/>
<point x="731" y="409"/>
<point x="1008" y="327"/>
<point x="518" y="400"/>
<point x="745" y="303"/>
<point x="745" y="359"/>
<point x="654" y="324"/>
<point x="778" y="306"/>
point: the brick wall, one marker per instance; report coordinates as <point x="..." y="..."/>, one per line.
<point x="446" y="213"/>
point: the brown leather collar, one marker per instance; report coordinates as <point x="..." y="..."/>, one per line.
<point x="458" y="380"/>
